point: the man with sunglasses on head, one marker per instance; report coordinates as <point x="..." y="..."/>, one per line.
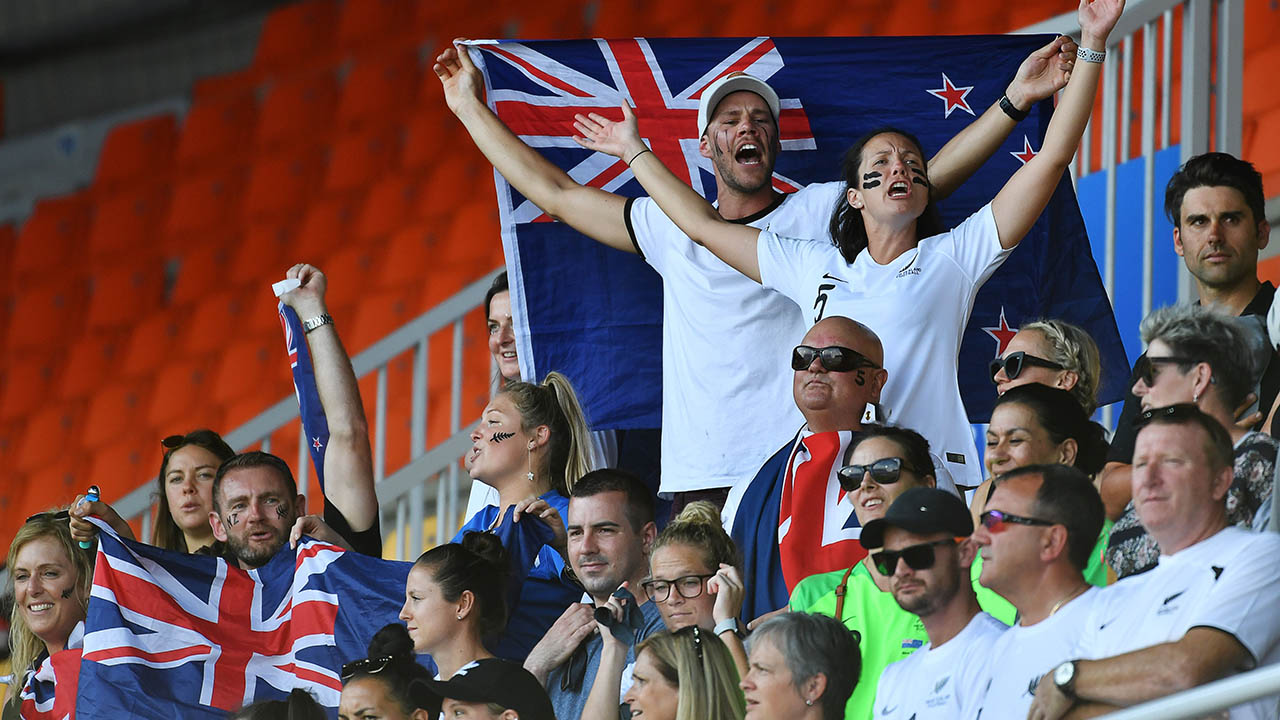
<point x="1206" y="611"/>
<point x="1216" y="204"/>
<point x="924" y="549"/>
<point x="1035" y="536"/>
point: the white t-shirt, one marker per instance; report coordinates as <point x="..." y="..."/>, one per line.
<point x="1023" y="654"/>
<point x="918" y="304"/>
<point x="726" y="346"/>
<point x="1227" y="582"/>
<point x="940" y="683"/>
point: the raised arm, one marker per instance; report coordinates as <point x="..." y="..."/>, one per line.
<point x="1025" y="196"/>
<point x="1042" y="74"/>
<point x="593" y="212"/>
<point x="734" y="244"/>
<point x="348" y="463"/>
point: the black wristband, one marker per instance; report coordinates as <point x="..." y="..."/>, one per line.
<point x="1014" y="113"/>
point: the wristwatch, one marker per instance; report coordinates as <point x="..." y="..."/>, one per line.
<point x="1011" y="110"/>
<point x="1064" y="677"/>
<point x="726" y="625"/>
<point x="312" y="323"/>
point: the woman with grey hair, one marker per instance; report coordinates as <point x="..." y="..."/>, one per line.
<point x="1201" y="356"/>
<point x="802" y="666"/>
<point x="1053" y="353"/>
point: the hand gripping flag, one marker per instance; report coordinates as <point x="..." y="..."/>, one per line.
<point x="170" y="635"/>
<point x="304" y="386"/>
<point x="602" y="329"/>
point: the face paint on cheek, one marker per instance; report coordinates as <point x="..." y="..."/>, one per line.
<point x="919" y="177"/>
<point x="233" y="519"/>
<point x="282" y="512"/>
<point x="500" y="436"/>
<point x="869" y="181"/>
<point x="860" y="378"/>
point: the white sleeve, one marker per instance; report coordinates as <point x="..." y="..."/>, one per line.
<point x="1242" y="601"/>
<point x="651" y="231"/>
<point x="975" y="245"/>
<point x="789" y="266"/>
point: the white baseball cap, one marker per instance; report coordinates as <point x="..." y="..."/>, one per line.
<point x="732" y="83"/>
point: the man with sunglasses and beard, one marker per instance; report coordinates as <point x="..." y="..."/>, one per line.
<point x="1035" y="536"/>
<point x="925" y="551"/>
<point x="1206" y="611"/>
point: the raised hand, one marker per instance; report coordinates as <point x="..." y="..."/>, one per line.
<point x="84" y="531"/>
<point x="1097" y="19"/>
<point x="619" y="139"/>
<point x="458" y="76"/>
<point x="547" y="513"/>
<point x="316" y="527"/>
<point x="1043" y="73"/>
<point x="727" y="585"/>
<point x="308" y="298"/>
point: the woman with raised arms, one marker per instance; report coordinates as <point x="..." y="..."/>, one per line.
<point x="891" y="265"/>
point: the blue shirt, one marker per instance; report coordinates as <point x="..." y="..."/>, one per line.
<point x="535" y="573"/>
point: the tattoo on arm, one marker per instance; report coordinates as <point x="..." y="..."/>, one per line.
<point x="500" y="436"/>
<point x="869" y="180"/>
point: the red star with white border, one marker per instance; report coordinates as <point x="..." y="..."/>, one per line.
<point x="1027" y="153"/>
<point x="953" y="96"/>
<point x="1003" y="334"/>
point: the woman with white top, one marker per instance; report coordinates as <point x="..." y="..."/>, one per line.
<point x="891" y="267"/>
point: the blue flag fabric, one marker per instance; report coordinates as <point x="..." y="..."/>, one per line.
<point x="304" y="387"/>
<point x="170" y="635"/>
<point x="756" y="535"/>
<point x="603" y="329"/>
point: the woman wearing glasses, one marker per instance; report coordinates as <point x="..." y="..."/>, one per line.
<point x="1053" y="353"/>
<point x="388" y="683"/>
<point x="1200" y="356"/>
<point x="51" y="577"/>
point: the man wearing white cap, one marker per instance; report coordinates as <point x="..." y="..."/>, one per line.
<point x="726" y="395"/>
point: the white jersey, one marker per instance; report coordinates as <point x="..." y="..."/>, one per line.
<point x="1024" y="654"/>
<point x="940" y="683"/>
<point x="918" y="304"/>
<point x="1227" y="582"/>
<point x="726" y="345"/>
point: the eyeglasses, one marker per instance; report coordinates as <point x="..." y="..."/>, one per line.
<point x="49" y="516"/>
<point x="368" y="666"/>
<point x="917" y="557"/>
<point x="885" y="472"/>
<point x="995" y="521"/>
<point x="689" y="587"/>
<point x="1145" y="368"/>
<point x="696" y="632"/>
<point x="834" y="358"/>
<point x="1014" y="362"/>
<point x="1177" y="411"/>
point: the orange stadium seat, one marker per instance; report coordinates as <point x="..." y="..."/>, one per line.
<point x="453" y="181"/>
<point x="407" y="256"/>
<point x="361" y="158"/>
<point x="89" y="358"/>
<point x="378" y="313"/>
<point x="122" y="292"/>
<point x="205" y="201"/>
<point x="44" y="315"/>
<point x="115" y="409"/>
<point x="283" y="182"/>
<point x="350" y="272"/>
<point x="217" y="129"/>
<point x="378" y="88"/>
<point x="52" y="240"/>
<point x="28" y="379"/>
<point x="127" y="219"/>
<point x="366" y="23"/>
<point x="122" y="466"/>
<point x="212" y="321"/>
<point x="142" y="150"/>
<point x="50" y="431"/>
<point x="387" y="207"/>
<point x="294" y="31"/>
<point x="255" y="367"/>
<point x="427" y="135"/>
<point x="265" y="253"/>
<point x="56" y="484"/>
<point x="326" y="226"/>
<point x="153" y="342"/>
<point x="298" y="109"/>
<point x="181" y="391"/>
<point x="203" y="267"/>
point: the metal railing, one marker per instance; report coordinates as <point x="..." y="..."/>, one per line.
<point x="402" y="495"/>
<point x="1207" y="699"/>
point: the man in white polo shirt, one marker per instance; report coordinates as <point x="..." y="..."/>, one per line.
<point x="726" y="392"/>
<point x="1207" y="610"/>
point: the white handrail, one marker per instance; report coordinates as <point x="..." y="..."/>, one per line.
<point x="1206" y="699"/>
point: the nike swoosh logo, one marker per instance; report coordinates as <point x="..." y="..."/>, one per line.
<point x="829" y="276"/>
<point x="1172" y="597"/>
<point x="888" y="710"/>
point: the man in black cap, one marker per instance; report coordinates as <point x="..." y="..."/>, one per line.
<point x="492" y="689"/>
<point x="922" y="544"/>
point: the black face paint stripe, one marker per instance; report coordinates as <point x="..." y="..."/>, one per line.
<point x="282" y="511"/>
<point x="500" y="436"/>
<point x="233" y="519"/>
<point x="919" y="181"/>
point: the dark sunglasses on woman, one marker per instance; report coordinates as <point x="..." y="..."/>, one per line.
<point x="1014" y="362"/>
<point x="885" y="471"/>
<point x="834" y="358"/>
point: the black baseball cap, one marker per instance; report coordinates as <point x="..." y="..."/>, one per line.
<point x="921" y="510"/>
<point x="499" y="682"/>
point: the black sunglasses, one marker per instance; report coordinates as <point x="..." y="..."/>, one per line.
<point x="50" y="516"/>
<point x="834" y="358"/>
<point x="1180" y="410"/>
<point x="917" y="557"/>
<point x="885" y="471"/>
<point x="368" y="666"/>
<point x="995" y="520"/>
<point x="1014" y="362"/>
<point x="195" y="437"/>
<point x="1145" y="368"/>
